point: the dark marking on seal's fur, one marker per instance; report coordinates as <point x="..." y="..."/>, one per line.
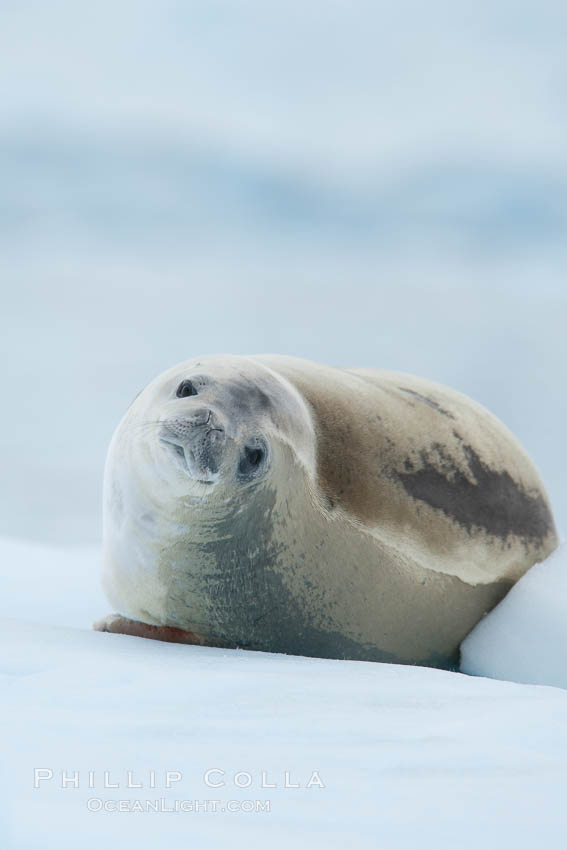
<point x="493" y="501"/>
<point x="430" y="402"/>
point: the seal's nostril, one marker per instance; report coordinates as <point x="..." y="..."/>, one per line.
<point x="183" y="428"/>
<point x="200" y="417"/>
<point x="173" y="445"/>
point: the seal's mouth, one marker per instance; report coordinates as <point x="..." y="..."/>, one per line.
<point x="180" y="454"/>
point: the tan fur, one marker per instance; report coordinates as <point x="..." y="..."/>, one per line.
<point x="368" y="427"/>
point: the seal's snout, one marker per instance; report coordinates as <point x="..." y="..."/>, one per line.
<point x="197" y="441"/>
<point x="183" y="426"/>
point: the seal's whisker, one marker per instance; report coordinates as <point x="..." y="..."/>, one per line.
<point x="144" y="426"/>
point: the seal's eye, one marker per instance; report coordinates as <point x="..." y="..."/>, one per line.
<point x="185" y="389"/>
<point x="254" y="456"/>
<point x="250" y="460"/>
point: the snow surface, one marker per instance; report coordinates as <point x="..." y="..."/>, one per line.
<point x="410" y="757"/>
<point x="525" y="637"/>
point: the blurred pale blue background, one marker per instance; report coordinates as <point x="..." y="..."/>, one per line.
<point x="360" y="183"/>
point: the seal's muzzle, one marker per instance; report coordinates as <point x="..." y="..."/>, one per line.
<point x="198" y="441"/>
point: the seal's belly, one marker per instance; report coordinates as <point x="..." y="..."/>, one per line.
<point x="131" y="578"/>
<point x="328" y="590"/>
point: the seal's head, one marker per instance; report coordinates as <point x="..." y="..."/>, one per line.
<point x="192" y="465"/>
<point x="214" y="429"/>
<point x="218" y="420"/>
